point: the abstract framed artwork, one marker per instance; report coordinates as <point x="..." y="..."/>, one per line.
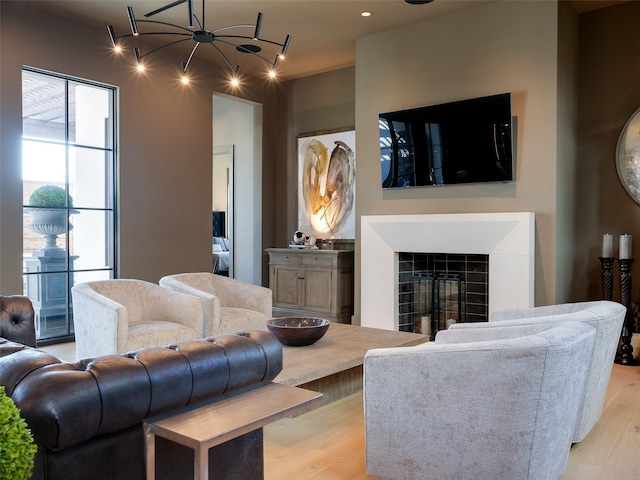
<point x="326" y="184"/>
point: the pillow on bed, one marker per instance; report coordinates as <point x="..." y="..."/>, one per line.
<point x="223" y="242"/>
<point x="217" y="248"/>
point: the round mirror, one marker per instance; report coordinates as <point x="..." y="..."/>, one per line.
<point x="628" y="156"/>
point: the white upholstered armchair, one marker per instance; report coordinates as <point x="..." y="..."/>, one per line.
<point x="121" y="315"/>
<point x="230" y="305"/>
<point x="501" y="408"/>
<point x="605" y="316"/>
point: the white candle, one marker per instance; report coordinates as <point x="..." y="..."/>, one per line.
<point x="607" y="245"/>
<point x="425" y="323"/>
<point x="625" y="247"/>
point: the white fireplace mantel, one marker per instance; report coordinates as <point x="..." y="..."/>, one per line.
<point x="508" y="239"/>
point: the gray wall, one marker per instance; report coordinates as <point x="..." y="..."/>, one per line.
<point x="609" y="94"/>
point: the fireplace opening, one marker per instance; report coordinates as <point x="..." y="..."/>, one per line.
<point x="438" y="302"/>
<point x="437" y="289"/>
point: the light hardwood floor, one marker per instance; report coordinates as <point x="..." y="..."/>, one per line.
<point x="328" y="443"/>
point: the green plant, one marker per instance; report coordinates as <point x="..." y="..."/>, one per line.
<point x="17" y="448"/>
<point x="49" y="196"/>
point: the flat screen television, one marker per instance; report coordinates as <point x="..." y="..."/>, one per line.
<point x="468" y="141"/>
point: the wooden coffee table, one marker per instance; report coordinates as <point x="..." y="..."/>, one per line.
<point x="333" y="365"/>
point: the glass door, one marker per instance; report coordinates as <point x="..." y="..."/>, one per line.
<point x="68" y="165"/>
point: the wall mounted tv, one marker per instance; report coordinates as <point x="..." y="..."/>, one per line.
<point x="452" y="143"/>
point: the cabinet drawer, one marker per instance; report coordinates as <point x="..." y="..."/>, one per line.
<point x="285" y="259"/>
<point x="318" y="260"/>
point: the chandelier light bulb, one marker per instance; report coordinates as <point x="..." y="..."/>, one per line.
<point x="184" y="80"/>
<point x="140" y="67"/>
<point x="272" y="74"/>
<point x="235" y="82"/>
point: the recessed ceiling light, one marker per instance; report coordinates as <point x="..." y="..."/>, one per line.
<point x="366" y="14"/>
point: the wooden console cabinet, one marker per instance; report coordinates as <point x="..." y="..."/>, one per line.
<point x="312" y="283"/>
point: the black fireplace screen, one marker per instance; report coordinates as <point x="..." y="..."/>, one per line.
<point x="436" y="289"/>
<point x="439" y="302"/>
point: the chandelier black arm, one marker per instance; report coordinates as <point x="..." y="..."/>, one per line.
<point x="165" y="45"/>
<point x="166" y="7"/>
<point x="233" y="70"/>
<point x="164" y="23"/>
<point x="185" y="65"/>
<point x="243" y="25"/>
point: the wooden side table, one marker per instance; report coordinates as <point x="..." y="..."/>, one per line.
<point x="203" y="426"/>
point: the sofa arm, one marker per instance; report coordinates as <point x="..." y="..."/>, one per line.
<point x="17" y="319"/>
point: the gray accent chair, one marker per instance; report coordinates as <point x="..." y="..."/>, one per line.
<point x="230" y="305"/>
<point x="121" y="315"/>
<point x="502" y="406"/>
<point x="605" y="316"/>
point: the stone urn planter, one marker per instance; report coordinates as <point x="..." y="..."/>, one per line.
<point x="49" y="222"/>
<point x="49" y="215"/>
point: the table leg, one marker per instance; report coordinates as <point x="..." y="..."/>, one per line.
<point x="201" y="463"/>
<point x="150" y="454"/>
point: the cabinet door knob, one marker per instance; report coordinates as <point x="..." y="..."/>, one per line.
<point x="300" y="278"/>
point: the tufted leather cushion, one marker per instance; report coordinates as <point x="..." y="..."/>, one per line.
<point x="66" y="404"/>
<point x="17" y="319"/>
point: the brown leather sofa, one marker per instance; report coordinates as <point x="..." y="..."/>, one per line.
<point x="86" y="417"/>
<point x="17" y="319"/>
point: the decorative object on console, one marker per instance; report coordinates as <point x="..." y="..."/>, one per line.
<point x="628" y="156"/>
<point x="326" y="183"/>
<point x="223" y="43"/>
<point x="298" y="331"/>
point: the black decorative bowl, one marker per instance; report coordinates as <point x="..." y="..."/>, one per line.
<point x="298" y="331"/>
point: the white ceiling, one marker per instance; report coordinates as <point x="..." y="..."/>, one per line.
<point x="324" y="32"/>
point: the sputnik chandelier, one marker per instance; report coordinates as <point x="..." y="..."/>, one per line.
<point x="201" y="36"/>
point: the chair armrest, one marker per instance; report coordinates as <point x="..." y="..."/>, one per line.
<point x="211" y="319"/>
<point x="483" y="331"/>
<point x="234" y="293"/>
<point x="100" y="324"/>
<point x="570" y="309"/>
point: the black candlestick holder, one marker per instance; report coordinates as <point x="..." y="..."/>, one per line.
<point x="625" y="351"/>
<point x="607" y="277"/>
